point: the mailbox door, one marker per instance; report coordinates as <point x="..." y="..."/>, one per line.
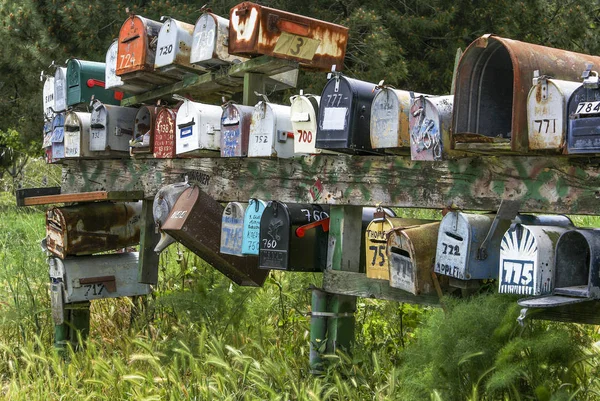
<point x="173" y="49"/>
<point x="210" y="42"/>
<point x="389" y="119"/>
<point x="111" y="79"/>
<point x="48" y="97"/>
<point x="164" y="134"/>
<point x="198" y="128"/>
<point x="429" y="121"/>
<point x="86" y="79"/>
<point x="375" y="248"/>
<point x="143" y="130"/>
<point x="58" y="136"/>
<point x="47" y="134"/>
<point x="584" y="119"/>
<point x="271" y="131"/>
<point x="135" y="52"/>
<point x="455" y="239"/>
<point x="251" y="235"/>
<point x="60" y="89"/>
<point x="111" y="127"/>
<point x="232" y="228"/>
<point x="303" y="112"/>
<point x="235" y="130"/>
<point x="77" y="135"/>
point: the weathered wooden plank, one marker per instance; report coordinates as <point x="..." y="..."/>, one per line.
<point x="263" y="65"/>
<point x="83" y="197"/>
<point x="543" y="184"/>
<point x="25" y="193"/>
<point x="358" y="285"/>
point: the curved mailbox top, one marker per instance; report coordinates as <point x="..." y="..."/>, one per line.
<point x="174" y="45"/>
<point x="60" y="89"/>
<point x="235" y="130"/>
<point x="303" y="113"/>
<point x="134" y="50"/>
<point x="251" y="236"/>
<point x="429" y="124"/>
<point x="48" y="97"/>
<point x="583" y="112"/>
<point x="271" y="131"/>
<point x="77" y="134"/>
<point x="111" y="79"/>
<point x="210" y="42"/>
<point x="86" y="79"/>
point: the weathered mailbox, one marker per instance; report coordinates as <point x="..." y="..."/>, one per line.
<point x="210" y="46"/>
<point x="235" y="130"/>
<point x="165" y="129"/>
<point x="411" y="253"/>
<point x="144" y="130"/>
<point x="48" y="97"/>
<point x="429" y="121"/>
<point x="232" y="228"/>
<point x="303" y="113"/>
<point x="547" y="113"/>
<point x="527" y="263"/>
<point x="584" y="116"/>
<point x="198" y="129"/>
<point x="195" y="221"/>
<point x="85" y="81"/>
<point x="293" y="237"/>
<point x="112" y="80"/>
<point x="492" y="80"/>
<point x="77" y="135"/>
<point x="251" y="234"/>
<point x="47" y="143"/>
<point x="58" y="136"/>
<point x="91" y="228"/>
<point x="271" y="131"/>
<point x="164" y="200"/>
<point x="345" y="114"/>
<point x="174" y="48"/>
<point x="60" y="89"/>
<point x="255" y="30"/>
<point x="111" y="128"/>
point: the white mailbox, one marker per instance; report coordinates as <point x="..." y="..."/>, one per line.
<point x="111" y="79"/>
<point x="60" y="89"/>
<point x="111" y="128"/>
<point x="271" y="131"/>
<point x="198" y="129"/>
<point x="77" y="135"/>
<point x="304" y="111"/>
<point x="210" y="42"/>
<point x="232" y="228"/>
<point x="173" y="49"/>
<point x="48" y="97"/>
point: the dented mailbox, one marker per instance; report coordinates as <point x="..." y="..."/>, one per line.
<point x="173" y="49"/>
<point x="164" y="200"/>
<point x="86" y="81"/>
<point x="195" y="221"/>
<point x="493" y="79"/>
<point x="210" y="43"/>
<point x="90" y="228"/>
<point x="112" y="80"/>
<point x="255" y="30"/>
<point x="198" y="129"/>
<point x="165" y="129"/>
<point x="251" y="234"/>
<point x="293" y="237"/>
<point x="60" y="89"/>
<point x="235" y="130"/>
<point x="303" y="114"/>
<point x="344" y="115"/>
<point x="58" y="136"/>
<point x="584" y="116"/>
<point x="77" y="135"/>
<point x="143" y="130"/>
<point x="271" y="131"/>
<point x="429" y="123"/>
<point x="232" y="228"/>
<point x="111" y="128"/>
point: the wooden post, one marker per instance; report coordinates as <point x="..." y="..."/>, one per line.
<point x="253" y="82"/>
<point x="148" y="264"/>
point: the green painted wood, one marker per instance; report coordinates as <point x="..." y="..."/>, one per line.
<point x="262" y="65"/>
<point x="149" y="237"/>
<point x="318" y="330"/>
<point x="253" y="84"/>
<point x="345" y="229"/>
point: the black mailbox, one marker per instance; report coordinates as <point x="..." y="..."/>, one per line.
<point x="345" y="115"/>
<point x="583" y="134"/>
<point x="293" y="237"/>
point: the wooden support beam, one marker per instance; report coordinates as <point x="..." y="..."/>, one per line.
<point x="149" y="237"/>
<point x="84" y="197"/>
<point x="253" y="83"/>
<point x="24" y="193"/>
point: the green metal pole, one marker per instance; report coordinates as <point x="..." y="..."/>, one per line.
<point x="79" y="323"/>
<point x="318" y="330"/>
<point x="61" y="336"/>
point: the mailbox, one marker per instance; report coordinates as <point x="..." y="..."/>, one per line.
<point x="411" y="253"/>
<point x="143" y="130"/>
<point x="164" y="200"/>
<point x="60" y="89"/>
<point x="293" y="237"/>
<point x="58" y="136"/>
<point x="136" y="52"/>
<point x="77" y="135"/>
<point x="271" y="131"/>
<point x="255" y="30"/>
<point x="527" y="263"/>
<point x="232" y="228"/>
<point x="344" y="115"/>
<point x="48" y="97"/>
<point x="376" y="255"/>
<point x="210" y="43"/>
<point x="584" y="116"/>
<point x="235" y="130"/>
<point x="47" y="143"/>
<point x="85" y="80"/>
<point x="174" y="48"/>
<point x="547" y="113"/>
<point x="90" y="228"/>
<point x="251" y="235"/>
<point x="198" y="129"/>
<point x="303" y="114"/>
<point x="430" y="120"/>
<point x="493" y="78"/>
<point x="112" y="80"/>
<point x="111" y="128"/>
<point x="164" y="133"/>
<point x="195" y="221"/>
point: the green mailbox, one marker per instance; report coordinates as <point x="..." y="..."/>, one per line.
<point x="86" y="79"/>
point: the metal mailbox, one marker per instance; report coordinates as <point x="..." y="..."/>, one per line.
<point x="271" y="131"/>
<point x="430" y="120"/>
<point x="174" y="48"/>
<point x="345" y="114"/>
<point x="210" y="43"/>
<point x="164" y="133"/>
<point x="198" y="129"/>
<point x="547" y="113"/>
<point x="293" y="237"/>
<point x="112" y="80"/>
<point x="77" y="135"/>
<point x="492" y="80"/>
<point x="143" y="130"/>
<point x="60" y="89"/>
<point x="235" y="130"/>
<point x="91" y="228"/>
<point x="411" y="253"/>
<point x="527" y="263"/>
<point x="48" y="97"/>
<point x="47" y="142"/>
<point x="85" y="81"/>
<point x="232" y="228"/>
<point x="255" y="29"/>
<point x="195" y="221"/>
<point x="251" y="234"/>
<point x="584" y="116"/>
<point x="303" y="112"/>
<point x="164" y="200"/>
<point x="58" y="136"/>
<point x="111" y="128"/>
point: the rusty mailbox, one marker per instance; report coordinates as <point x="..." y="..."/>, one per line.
<point x="210" y="43"/>
<point x="547" y="113"/>
<point x="251" y="234"/>
<point x="429" y="123"/>
<point x="271" y="131"/>
<point x="232" y="228"/>
<point x="293" y="237"/>
<point x="111" y="128"/>
<point x="235" y="130"/>
<point x="493" y="79"/>
<point x="58" y="136"/>
<point x="527" y="263"/>
<point x="174" y="48"/>
<point x="91" y="228"/>
<point x="60" y="89"/>
<point x="144" y="130"/>
<point x="255" y="30"/>
<point x="195" y="221"/>
<point x="77" y="135"/>
<point x="112" y="80"/>
<point x="411" y="253"/>
<point x="164" y="200"/>
<point x="198" y="129"/>
<point x="165" y="129"/>
<point x="303" y="114"/>
<point x="583" y="111"/>
<point x="345" y="114"/>
<point x="85" y="80"/>
<point x="48" y="97"/>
